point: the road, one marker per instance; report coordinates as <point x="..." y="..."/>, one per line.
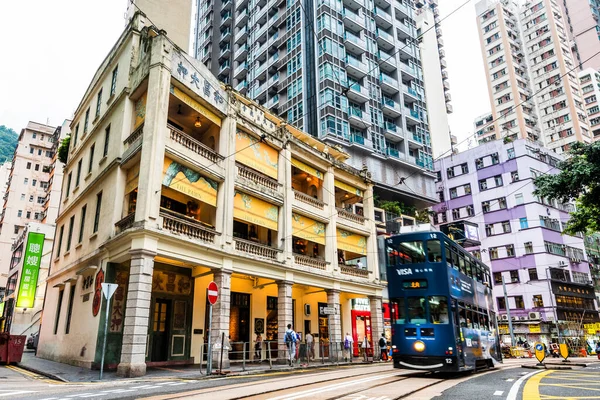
<point x="370" y="382"/>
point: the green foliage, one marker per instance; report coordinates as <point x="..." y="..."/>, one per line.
<point x="63" y="149"/>
<point x="578" y="180"/>
<point x="399" y="208"/>
<point x="8" y="143"/>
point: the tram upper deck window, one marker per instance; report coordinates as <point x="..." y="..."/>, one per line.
<point x="416" y="310"/>
<point x="461" y="260"/>
<point x="434" y="251"/>
<point x="411" y="252"/>
<point x="438" y="309"/>
<point x="398" y="312"/>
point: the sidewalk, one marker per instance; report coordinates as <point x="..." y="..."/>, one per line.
<point x="69" y="373"/>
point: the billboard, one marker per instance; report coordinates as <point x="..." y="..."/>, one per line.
<point x="30" y="270"/>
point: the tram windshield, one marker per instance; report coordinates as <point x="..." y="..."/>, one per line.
<point x="420" y="310"/>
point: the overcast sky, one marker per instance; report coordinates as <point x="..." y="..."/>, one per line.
<point x="51" y="50"/>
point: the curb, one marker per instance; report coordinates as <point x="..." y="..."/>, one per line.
<point x="557" y="367"/>
<point x="43" y="373"/>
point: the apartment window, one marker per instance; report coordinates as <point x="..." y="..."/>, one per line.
<point x="456" y="213"/>
<point x="22" y="196"/>
<point x="113" y="82"/>
<point x="36" y="216"/>
<point x="464" y="168"/>
<point x="106" y="138"/>
<point x="506" y="226"/>
<point x="28" y="165"/>
<point x="69" y="178"/>
<point x="98" y="208"/>
<point x="519" y="199"/>
<point x="70" y="308"/>
<point x="533" y="275"/>
<point x="538" y="301"/>
<point x="78" y="176"/>
<point x="70" y="234"/>
<point x="86" y="121"/>
<point x="98" y="103"/>
<point x="450" y="172"/>
<point x="31" y="150"/>
<point x="493" y="253"/>
<point x="483" y="184"/>
<point x="510" y="153"/>
<point x="34" y="182"/>
<point x="467" y="188"/>
<point x="20" y="213"/>
<point x="523" y="223"/>
<point x="76" y="135"/>
<point x="519" y="303"/>
<point x="489" y="229"/>
<point x="501" y="303"/>
<point x="58" y="309"/>
<point x="16" y="229"/>
<point x="528" y="248"/>
<point x="470" y="210"/>
<point x="26" y="181"/>
<point x="497" y="278"/>
<point x="514" y="176"/>
<point x="498" y="180"/>
<point x="510" y="250"/>
<point x="82" y="223"/>
<point x="92" y="148"/>
<point x="514" y="276"/>
<point x="485" y="206"/>
<point x="28" y="214"/>
<point x="37" y="167"/>
<point x="502" y="203"/>
<point x="31" y="199"/>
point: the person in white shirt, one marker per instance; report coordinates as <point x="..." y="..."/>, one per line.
<point x="348" y="342"/>
<point x="310" y="347"/>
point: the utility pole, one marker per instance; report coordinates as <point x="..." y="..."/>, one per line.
<point x="510" y="327"/>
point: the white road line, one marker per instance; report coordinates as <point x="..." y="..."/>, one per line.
<point x="93" y="394"/>
<point x="498" y="392"/>
<point x="145" y="387"/>
<point x="78" y="395"/>
<point x="164" y="383"/>
<point x="307" y="393"/>
<point x="15" y="392"/>
<point x="510" y="380"/>
<point x="176" y="383"/>
<point x="118" y="391"/>
<point x="514" y="390"/>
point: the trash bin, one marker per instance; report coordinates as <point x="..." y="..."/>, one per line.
<point x="11" y="348"/>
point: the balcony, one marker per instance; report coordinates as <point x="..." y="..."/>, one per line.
<point x="410" y="94"/>
<point x="392" y="132"/>
<point x="226" y="19"/>
<point x="242" y="86"/>
<point x="406" y="31"/>
<point x="241" y="53"/>
<point x="354" y="44"/>
<point x="241" y="71"/>
<point x="408" y="71"/>
<point x="360" y="142"/>
<point x="306" y="199"/>
<point x="394" y="153"/>
<point x="349" y="216"/>
<point x="414" y="141"/>
<point x="273" y="102"/>
<point x="385" y="40"/>
<point x="387" y="62"/>
<point x="388" y="84"/>
<point x="354" y="4"/>
<point x="383" y="18"/>
<point x="255" y="249"/>
<point x="225" y="35"/>
<point x="125" y="223"/>
<point x="358" y="93"/>
<point x="257" y="177"/>
<point x="241" y="18"/>
<point x="407" y="51"/>
<point x="313" y="262"/>
<point x="225" y="67"/>
<point x="177" y="225"/>
<point x="402" y="10"/>
<point x="353" y="271"/>
<point x="241" y="35"/>
<point x="355" y="67"/>
<point x="241" y="5"/>
<point x="224" y="52"/>
<point x="353" y="21"/>
<point x="412" y="116"/>
<point x="391" y="108"/>
<point x="182" y="143"/>
<point x="357" y="118"/>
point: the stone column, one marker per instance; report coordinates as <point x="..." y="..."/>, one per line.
<point x="335" y="325"/>
<point x="284" y="239"/>
<point x="376" y="321"/>
<point x="284" y="317"/>
<point x="137" y="314"/>
<point x="220" y="317"/>
<point x="330" y="228"/>
<point x="369" y="213"/>
<point x="224" y="217"/>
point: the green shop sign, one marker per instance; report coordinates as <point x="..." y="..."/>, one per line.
<point x="31" y="270"/>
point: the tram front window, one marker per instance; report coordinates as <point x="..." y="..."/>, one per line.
<point x="438" y="307"/>
<point x="411" y="252"/>
<point x="416" y="310"/>
<point x="398" y="311"/>
<point x="434" y="251"/>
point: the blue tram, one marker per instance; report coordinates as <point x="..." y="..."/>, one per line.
<point x="441" y="305"/>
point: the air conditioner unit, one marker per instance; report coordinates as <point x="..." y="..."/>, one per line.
<point x="524" y="318"/>
<point x="534" y="315"/>
<point x="562" y="263"/>
<point x="504" y="317"/>
<point x="575" y="260"/>
<point x="514" y="318"/>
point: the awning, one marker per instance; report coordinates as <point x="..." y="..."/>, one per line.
<point x="308" y="229"/>
<point x="255" y="211"/>
<point x="132" y="178"/>
<point x="189" y="182"/>
<point x="352" y="242"/>
<point x="257" y="155"/>
<point x="348" y="188"/>
<point x="211" y="116"/>
<point x="307" y="168"/>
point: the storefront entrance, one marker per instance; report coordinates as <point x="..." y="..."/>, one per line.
<point x="239" y="325"/>
<point x="160" y="330"/>
<point x="361" y="327"/>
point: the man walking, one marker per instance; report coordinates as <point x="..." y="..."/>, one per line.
<point x="290" y="342"/>
<point x="348" y="341"/>
<point x="310" y="347"/>
<point x="383" y="347"/>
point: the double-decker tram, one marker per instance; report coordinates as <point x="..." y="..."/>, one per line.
<point x="441" y="305"/>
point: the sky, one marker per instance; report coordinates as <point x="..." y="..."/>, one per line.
<point x="51" y="50"/>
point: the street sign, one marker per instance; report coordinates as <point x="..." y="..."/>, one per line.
<point x="540" y="354"/>
<point x="329" y="310"/>
<point x="564" y="351"/>
<point x="108" y="289"/>
<point x="213" y="293"/>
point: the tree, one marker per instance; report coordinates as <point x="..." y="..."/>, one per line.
<point x="63" y="149"/>
<point x="579" y="180"/>
<point x="8" y="143"/>
<point x="399" y="208"/>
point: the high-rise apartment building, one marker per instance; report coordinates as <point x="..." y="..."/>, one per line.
<point x="584" y="31"/>
<point x="27" y="187"/>
<point x="589" y="80"/>
<point x="348" y="72"/>
<point x="435" y="76"/>
<point x="485" y="130"/>
<point x="533" y="90"/>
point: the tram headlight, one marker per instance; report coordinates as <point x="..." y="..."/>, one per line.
<point x="419" y="346"/>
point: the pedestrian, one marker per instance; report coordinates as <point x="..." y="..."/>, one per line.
<point x="348" y="341"/>
<point x="359" y="264"/>
<point x="310" y="346"/>
<point x="290" y="339"/>
<point x="258" y="348"/>
<point x="383" y="347"/>
<point x="365" y="346"/>
<point x="598" y="349"/>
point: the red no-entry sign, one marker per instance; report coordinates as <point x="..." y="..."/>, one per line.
<point x="213" y="293"/>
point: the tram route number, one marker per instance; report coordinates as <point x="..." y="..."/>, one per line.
<point x="448" y="361"/>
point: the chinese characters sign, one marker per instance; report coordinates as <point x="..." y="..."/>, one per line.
<point x="118" y="304"/>
<point x="31" y="270"/>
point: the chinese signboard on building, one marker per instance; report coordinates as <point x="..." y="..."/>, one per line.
<point x="31" y="270"/>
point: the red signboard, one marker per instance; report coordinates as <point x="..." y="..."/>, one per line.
<point x="213" y="293"/>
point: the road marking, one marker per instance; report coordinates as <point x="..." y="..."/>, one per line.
<point x="15" y="392"/>
<point x="176" y="383"/>
<point x="531" y="390"/>
<point x="498" y="392"/>
<point x="330" y="388"/>
<point x="145" y="387"/>
<point x="510" y="380"/>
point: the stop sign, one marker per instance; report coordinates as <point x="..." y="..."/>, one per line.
<point x="213" y="293"/>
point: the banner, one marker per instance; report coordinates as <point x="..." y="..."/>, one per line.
<point x="352" y="242"/>
<point x="30" y="270"/>
<point x="189" y="182"/>
<point x="348" y="188"/>
<point x="308" y="229"/>
<point x="307" y="168"/>
<point x="255" y="154"/>
<point x="255" y="211"/>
